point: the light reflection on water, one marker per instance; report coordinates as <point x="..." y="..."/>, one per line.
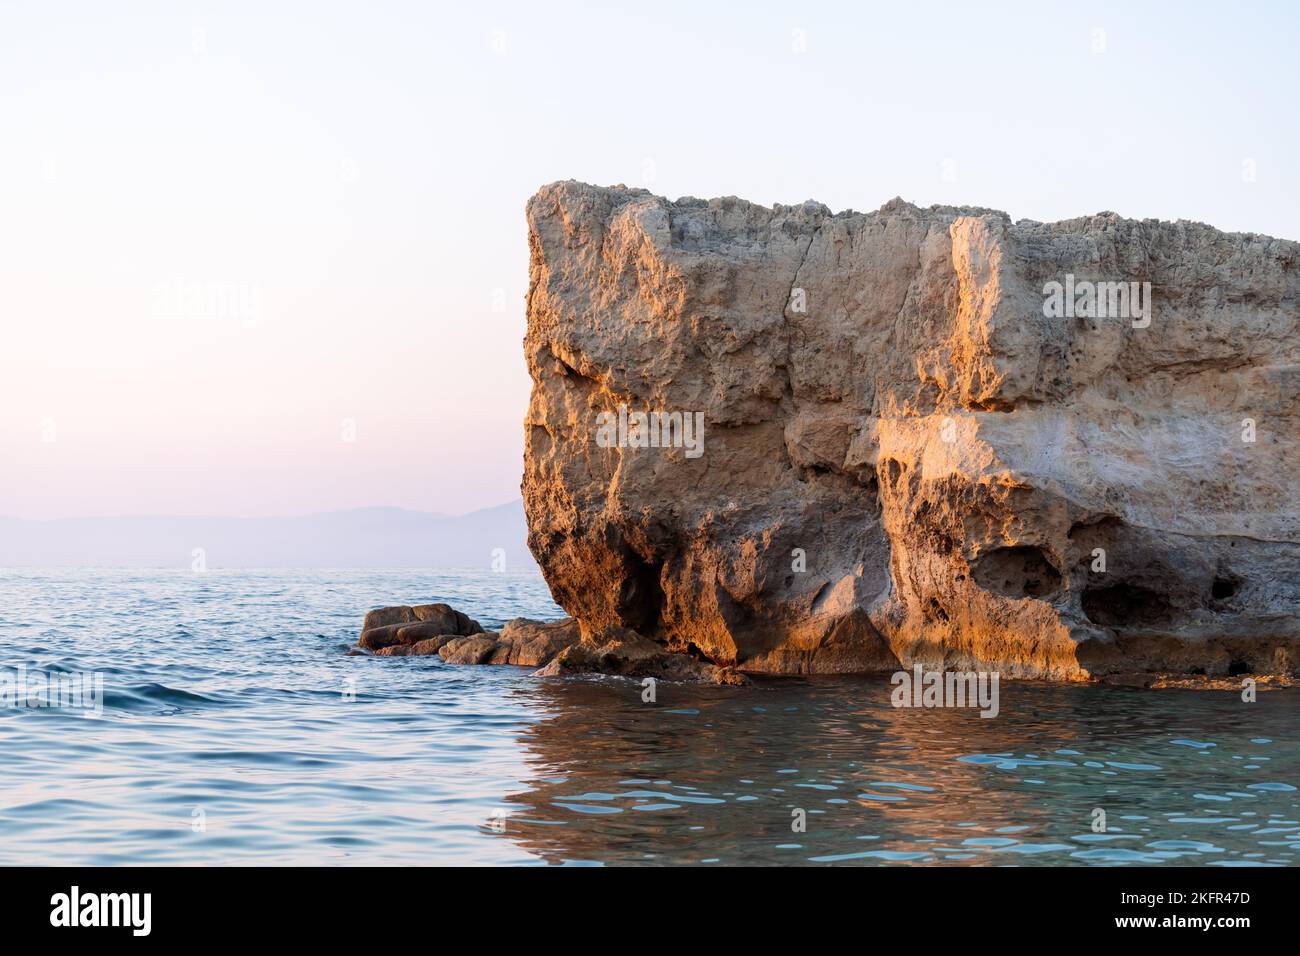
<point x="225" y="695"/>
<point x="716" y="775"/>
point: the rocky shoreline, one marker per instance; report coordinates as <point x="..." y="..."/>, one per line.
<point x="786" y="441"/>
<point x="556" y="648"/>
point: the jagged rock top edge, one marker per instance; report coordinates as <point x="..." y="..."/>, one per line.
<point x="895" y="206"/>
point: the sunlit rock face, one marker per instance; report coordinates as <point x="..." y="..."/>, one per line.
<point x="924" y="440"/>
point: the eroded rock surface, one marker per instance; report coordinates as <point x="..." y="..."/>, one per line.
<point x="904" y="459"/>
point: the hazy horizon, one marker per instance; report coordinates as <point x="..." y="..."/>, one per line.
<point x="268" y="260"/>
<point x="287" y="515"/>
<point x="487" y="539"/>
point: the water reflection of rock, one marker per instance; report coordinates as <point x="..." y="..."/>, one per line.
<point x="717" y="772"/>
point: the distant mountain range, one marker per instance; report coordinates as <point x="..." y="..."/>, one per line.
<point x="359" y="538"/>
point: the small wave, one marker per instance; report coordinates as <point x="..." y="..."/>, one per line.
<point x="146" y="698"/>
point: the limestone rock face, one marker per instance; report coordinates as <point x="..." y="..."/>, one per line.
<point x="909" y="454"/>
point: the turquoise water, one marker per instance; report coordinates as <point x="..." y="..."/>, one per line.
<point x="235" y="730"/>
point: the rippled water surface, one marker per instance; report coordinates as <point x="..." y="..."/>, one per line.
<point x="235" y="730"/>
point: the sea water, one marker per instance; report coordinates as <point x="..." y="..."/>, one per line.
<point x="234" y="728"/>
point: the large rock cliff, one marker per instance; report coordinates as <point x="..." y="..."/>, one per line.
<point x="928" y="436"/>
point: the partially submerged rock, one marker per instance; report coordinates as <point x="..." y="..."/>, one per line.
<point x="900" y="452"/>
<point x="557" y="647"/>
<point x="405" y="626"/>
<point x="625" y="653"/>
<point x="469" y="650"/>
<point x="429" y="629"/>
<point x="1237" y="684"/>
<point x="431" y="645"/>
<point x="534" y="643"/>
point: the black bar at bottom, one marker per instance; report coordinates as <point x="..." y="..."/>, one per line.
<point x="304" y="905"/>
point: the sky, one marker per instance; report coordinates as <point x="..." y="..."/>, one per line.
<point x="270" y="258"/>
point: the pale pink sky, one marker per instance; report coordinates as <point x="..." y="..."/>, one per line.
<point x="225" y="228"/>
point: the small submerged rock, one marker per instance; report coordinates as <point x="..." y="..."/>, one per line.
<point x="1162" y="680"/>
<point x="404" y="626"/>
<point x="558" y="648"/>
<point x="470" y="650"/>
<point x="624" y="652"/>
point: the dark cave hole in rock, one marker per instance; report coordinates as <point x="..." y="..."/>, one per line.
<point x="936" y="611"/>
<point x="1118" y="605"/>
<point x="1223" y="588"/>
<point x="871" y="485"/>
<point x="1018" y="571"/>
<point x="693" y="650"/>
<point x="1238" y="667"/>
<point x="641" y="598"/>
